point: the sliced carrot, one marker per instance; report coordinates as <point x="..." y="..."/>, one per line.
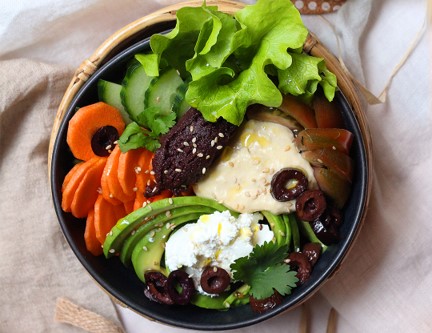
<point x="84" y="124"/>
<point x="73" y="183"/>
<point x="92" y="243"/>
<point x="128" y="169"/>
<point x="87" y="191"/>
<point x="110" y="171"/>
<point x="129" y="206"/>
<point x="69" y="175"/>
<point x="143" y="178"/>
<point x="104" y="218"/>
<point x="119" y="212"/>
<point x="112" y="177"/>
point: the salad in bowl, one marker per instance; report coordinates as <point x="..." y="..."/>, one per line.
<point x="215" y="167"/>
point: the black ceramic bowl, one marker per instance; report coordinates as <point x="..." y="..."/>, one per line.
<point x="123" y="285"/>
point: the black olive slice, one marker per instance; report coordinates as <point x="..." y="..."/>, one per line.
<point x="214" y="280"/>
<point x="287" y="184"/>
<point x="156" y="288"/>
<point x="102" y="141"/>
<point x="263" y="305"/>
<point x="310" y="205"/>
<point x="180" y="287"/>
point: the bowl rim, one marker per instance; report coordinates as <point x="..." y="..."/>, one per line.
<point x="314" y="47"/>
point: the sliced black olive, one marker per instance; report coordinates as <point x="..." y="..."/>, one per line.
<point x="312" y="252"/>
<point x="215" y="280"/>
<point x="103" y="140"/>
<point x="156" y="288"/>
<point x="299" y="262"/>
<point x="310" y="205"/>
<point x="287" y="184"/>
<point x="263" y="305"/>
<point x="180" y="287"/>
<point x="326" y="227"/>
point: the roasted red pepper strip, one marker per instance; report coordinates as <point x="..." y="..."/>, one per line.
<point x="333" y="185"/>
<point x="296" y="109"/>
<point x="327" y="114"/>
<point x="318" y="138"/>
<point x="331" y="159"/>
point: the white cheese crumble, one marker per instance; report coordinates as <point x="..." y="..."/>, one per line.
<point x="241" y="178"/>
<point x="216" y="239"/>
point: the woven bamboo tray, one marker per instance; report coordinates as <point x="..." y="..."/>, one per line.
<point x="164" y="19"/>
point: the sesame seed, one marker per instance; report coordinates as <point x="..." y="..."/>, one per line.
<point x="319" y="160"/>
<point x="135" y="189"/>
<point x="200" y="155"/>
<point x="266" y="170"/>
<point x="148" y="182"/>
<point x="287" y="148"/>
<point x="231" y="164"/>
<point x="108" y="147"/>
<point x="221" y="135"/>
<point x="154" y="190"/>
<point x="177" y="170"/>
<point x="152" y="233"/>
<point x="165" y="172"/>
<point x="194" y="139"/>
<point x="215" y="269"/>
<point x="111" y="195"/>
<point x="144" y="203"/>
<point x="204" y="170"/>
<point x="194" y="151"/>
<point x="191" y="128"/>
<point x="137" y="169"/>
<point x="207" y="157"/>
<point x="186" y="144"/>
<point x="180" y="150"/>
<point x="171" y="201"/>
<point x="219" y="147"/>
<point x="152" y="173"/>
<point x="168" y="213"/>
<point x="145" y="248"/>
<point x="115" y="142"/>
<point x="111" y="251"/>
<point x="99" y="190"/>
<point x="133" y="232"/>
<point x="216" y="139"/>
<point x="147" y="172"/>
<point x="334" y="148"/>
<point x="212" y="143"/>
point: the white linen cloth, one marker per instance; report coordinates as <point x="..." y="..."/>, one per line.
<point x="386" y="282"/>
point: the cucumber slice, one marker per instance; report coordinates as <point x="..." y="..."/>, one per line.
<point x="162" y="92"/>
<point x="109" y="92"/>
<point x="180" y="104"/>
<point x="135" y="85"/>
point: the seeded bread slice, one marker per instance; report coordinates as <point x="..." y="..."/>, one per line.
<point x="187" y="151"/>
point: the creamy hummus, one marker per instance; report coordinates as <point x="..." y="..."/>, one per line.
<point x="241" y="178"/>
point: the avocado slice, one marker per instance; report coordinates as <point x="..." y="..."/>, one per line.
<point x="125" y="226"/>
<point x="157" y="222"/>
<point x="148" y="252"/>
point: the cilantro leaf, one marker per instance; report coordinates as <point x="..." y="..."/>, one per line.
<point x="134" y="136"/>
<point x="154" y="119"/>
<point x="265" y="271"/>
<point x="278" y="277"/>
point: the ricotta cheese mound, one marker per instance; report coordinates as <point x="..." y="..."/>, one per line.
<point x="241" y="178"/>
<point x="216" y="239"/>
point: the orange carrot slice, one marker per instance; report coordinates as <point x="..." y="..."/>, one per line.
<point x="128" y="169"/>
<point x="104" y="218"/>
<point x="69" y="175"/>
<point x="91" y="242"/>
<point x="87" y="191"/>
<point x="112" y="177"/>
<point x="129" y="206"/>
<point x="73" y="183"/>
<point x="86" y="122"/>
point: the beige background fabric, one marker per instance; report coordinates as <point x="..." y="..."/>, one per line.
<point x="386" y="283"/>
